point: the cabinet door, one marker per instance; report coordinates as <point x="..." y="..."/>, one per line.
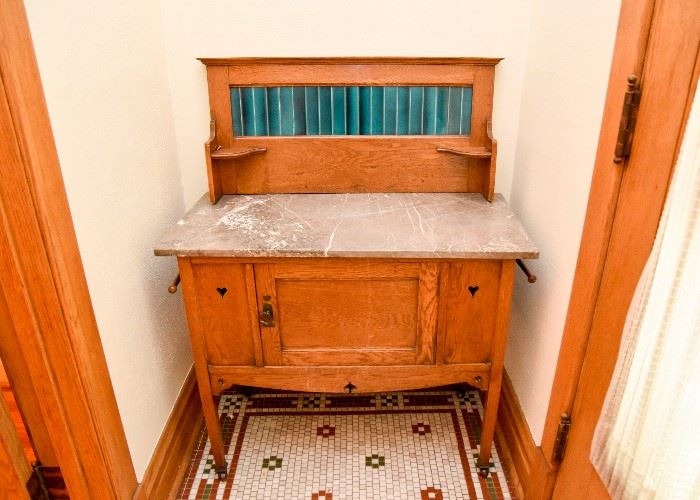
<point x="226" y="316"/>
<point x="468" y="306"/>
<point x="324" y="313"/>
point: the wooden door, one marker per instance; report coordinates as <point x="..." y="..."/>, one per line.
<point x="347" y="313"/>
<point x="469" y="300"/>
<point x="668" y="82"/>
<point x="50" y="343"/>
<point x="225" y="315"/>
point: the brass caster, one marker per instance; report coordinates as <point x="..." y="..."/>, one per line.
<point x="221" y="472"/>
<point x="484" y="469"/>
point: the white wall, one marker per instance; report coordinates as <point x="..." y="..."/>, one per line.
<point x="568" y="63"/>
<point x="226" y="28"/>
<point x="103" y="70"/>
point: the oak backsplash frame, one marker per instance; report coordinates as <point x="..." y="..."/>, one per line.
<point x="359" y="163"/>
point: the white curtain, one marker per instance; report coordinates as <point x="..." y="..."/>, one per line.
<point x="647" y="442"/>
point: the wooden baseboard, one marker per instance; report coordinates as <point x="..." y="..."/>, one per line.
<point x="534" y="478"/>
<point x="172" y="454"/>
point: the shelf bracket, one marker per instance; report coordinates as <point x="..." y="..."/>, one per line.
<point x="480" y="153"/>
<point x="220" y="153"/>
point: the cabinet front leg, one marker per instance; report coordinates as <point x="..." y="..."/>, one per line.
<point x="488" y="427"/>
<point x="211" y="415"/>
<point x="211" y="419"/>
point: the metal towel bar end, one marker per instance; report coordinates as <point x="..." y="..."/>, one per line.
<point x="173" y="286"/>
<point x="531" y="278"/>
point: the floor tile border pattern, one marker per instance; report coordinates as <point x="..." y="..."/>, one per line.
<point x="235" y="410"/>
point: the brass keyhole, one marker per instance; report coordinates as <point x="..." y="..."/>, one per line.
<point x="266" y="317"/>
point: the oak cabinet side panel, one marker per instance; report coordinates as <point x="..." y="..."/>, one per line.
<point x="223" y="313"/>
<point x="469" y="299"/>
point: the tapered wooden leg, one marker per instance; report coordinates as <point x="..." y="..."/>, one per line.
<point x="211" y="419"/>
<point x="211" y="415"/>
<point x="488" y="426"/>
<point x="499" y="344"/>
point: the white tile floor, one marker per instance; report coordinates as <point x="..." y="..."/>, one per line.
<point x="411" y="445"/>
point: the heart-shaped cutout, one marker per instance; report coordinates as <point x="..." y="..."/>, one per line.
<point x="473" y="290"/>
<point x="222" y="291"/>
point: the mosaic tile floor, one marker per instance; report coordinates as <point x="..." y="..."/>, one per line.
<point x="408" y="445"/>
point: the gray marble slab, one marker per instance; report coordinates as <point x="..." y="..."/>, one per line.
<point x="395" y="225"/>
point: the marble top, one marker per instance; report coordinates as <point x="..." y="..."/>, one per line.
<point x="403" y="225"/>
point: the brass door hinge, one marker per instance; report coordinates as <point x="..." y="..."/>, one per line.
<point x="562" y="436"/>
<point x="36" y="485"/>
<point x="628" y="120"/>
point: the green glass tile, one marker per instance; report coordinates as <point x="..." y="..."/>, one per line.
<point x="390" y="110"/>
<point x="338" y="111"/>
<point x="466" y="118"/>
<point x="430" y="110"/>
<point x="248" y="106"/>
<point x="365" y="111"/>
<point x="353" y="110"/>
<point x="441" y="111"/>
<point x="298" y="111"/>
<point x="311" y="110"/>
<point x="402" y="102"/>
<point x="286" y="111"/>
<point x="259" y="112"/>
<point x="454" y="109"/>
<point x="325" y="115"/>
<point x="415" y="110"/>
<point x="273" y="111"/>
<point x="236" y="111"/>
<point x="377" y="111"/>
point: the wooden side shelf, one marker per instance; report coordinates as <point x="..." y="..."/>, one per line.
<point x="478" y="152"/>
<point x="228" y="153"/>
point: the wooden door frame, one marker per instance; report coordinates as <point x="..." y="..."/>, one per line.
<point x="43" y="283"/>
<point x="14" y="468"/>
<point x="629" y="56"/>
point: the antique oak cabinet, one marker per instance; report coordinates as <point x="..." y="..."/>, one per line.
<point x="351" y="240"/>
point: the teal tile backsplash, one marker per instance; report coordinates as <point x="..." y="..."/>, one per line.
<point x="351" y="110"/>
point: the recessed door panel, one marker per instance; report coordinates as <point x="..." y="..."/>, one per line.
<point x="366" y="313"/>
<point x="346" y="314"/>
